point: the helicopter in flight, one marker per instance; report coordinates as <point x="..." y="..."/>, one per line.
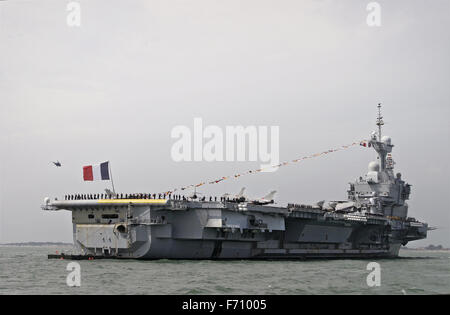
<point x="57" y="163"/>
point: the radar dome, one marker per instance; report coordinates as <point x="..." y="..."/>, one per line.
<point x="386" y="140"/>
<point x="374" y="167"/>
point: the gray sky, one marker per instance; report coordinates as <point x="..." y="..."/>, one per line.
<point x="114" y="88"/>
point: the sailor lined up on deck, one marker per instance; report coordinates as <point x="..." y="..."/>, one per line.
<point x="137" y="196"/>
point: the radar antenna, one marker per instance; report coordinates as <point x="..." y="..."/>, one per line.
<point x="380" y="121"/>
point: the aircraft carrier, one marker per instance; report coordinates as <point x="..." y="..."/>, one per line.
<point x="372" y="222"/>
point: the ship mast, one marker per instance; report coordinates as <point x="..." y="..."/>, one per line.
<point x="380" y="121"/>
<point x="382" y="148"/>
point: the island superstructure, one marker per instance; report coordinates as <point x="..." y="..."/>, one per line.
<point x="372" y="222"/>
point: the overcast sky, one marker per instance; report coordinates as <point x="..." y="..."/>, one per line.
<point x="115" y="87"/>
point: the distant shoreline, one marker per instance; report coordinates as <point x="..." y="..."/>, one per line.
<point x="427" y="249"/>
<point x="37" y="244"/>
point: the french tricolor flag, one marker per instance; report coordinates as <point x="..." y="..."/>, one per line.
<point x="96" y="172"/>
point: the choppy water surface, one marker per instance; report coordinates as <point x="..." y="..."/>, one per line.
<point x="26" y="270"/>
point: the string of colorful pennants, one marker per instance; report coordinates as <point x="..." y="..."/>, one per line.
<point x="364" y="143"/>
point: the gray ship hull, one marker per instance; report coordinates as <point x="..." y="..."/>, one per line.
<point x="179" y="249"/>
<point x="230" y="230"/>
